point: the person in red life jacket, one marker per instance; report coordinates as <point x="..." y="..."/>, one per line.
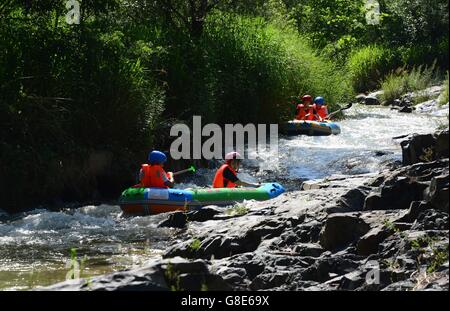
<point x="305" y="110"/>
<point x="153" y="175"/>
<point x="320" y="109"/>
<point x="226" y="176"/>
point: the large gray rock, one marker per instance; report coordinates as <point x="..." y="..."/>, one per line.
<point x="372" y="101"/>
<point x="387" y="197"/>
<point x="369" y="243"/>
<point x="415" y="149"/>
<point x="438" y="193"/>
<point x="342" y="229"/>
<point x="352" y="201"/>
<point x="425" y="148"/>
<point x="442" y="144"/>
<point x="170" y="274"/>
<point x="309" y="250"/>
<point x="175" y="220"/>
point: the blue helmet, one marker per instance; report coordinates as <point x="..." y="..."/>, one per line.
<point x="319" y="100"/>
<point x="157" y="157"/>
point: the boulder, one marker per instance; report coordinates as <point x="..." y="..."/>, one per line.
<point x="175" y="220"/>
<point x="270" y="280"/>
<point x="352" y="280"/>
<point x="204" y="214"/>
<point x="416" y="208"/>
<point x="406" y="109"/>
<point x="368" y="244"/>
<point x="442" y="144"/>
<point x="181" y="219"/>
<point x="352" y="201"/>
<point x="342" y="229"/>
<point x="360" y="98"/>
<point x="425" y="148"/>
<point x="415" y="149"/>
<point x="438" y="193"/>
<point x="309" y="250"/>
<point x="372" y="101"/>
<point x="387" y="197"/>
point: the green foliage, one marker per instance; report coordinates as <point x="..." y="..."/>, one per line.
<point x="439" y="257"/>
<point x="67" y="93"/>
<point x="393" y="87"/>
<point x="328" y="21"/>
<point x="436" y="256"/>
<point x="249" y="68"/>
<point x="75" y="267"/>
<point x="195" y="245"/>
<point x="238" y="210"/>
<point x="416" y="21"/>
<point x="173" y="278"/>
<point x="403" y="81"/>
<point x="416" y="29"/>
<point x="368" y="65"/>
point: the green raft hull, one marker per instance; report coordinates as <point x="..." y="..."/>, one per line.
<point x="148" y="201"/>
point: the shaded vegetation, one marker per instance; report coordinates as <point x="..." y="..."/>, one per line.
<point x="80" y="105"/>
<point x="403" y="81"/>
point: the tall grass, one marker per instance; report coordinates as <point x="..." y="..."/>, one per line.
<point x="251" y="68"/>
<point x="368" y="65"/>
<point x="403" y="81"/>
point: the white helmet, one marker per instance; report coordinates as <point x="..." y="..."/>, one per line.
<point x="233" y="156"/>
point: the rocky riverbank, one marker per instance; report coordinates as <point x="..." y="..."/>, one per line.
<point x="386" y="231"/>
<point x="429" y="101"/>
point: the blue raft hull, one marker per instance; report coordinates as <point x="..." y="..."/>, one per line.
<point x="311" y="128"/>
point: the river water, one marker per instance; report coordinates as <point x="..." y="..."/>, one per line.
<point x="36" y="247"/>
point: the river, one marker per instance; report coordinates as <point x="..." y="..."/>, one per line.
<point x="36" y="246"/>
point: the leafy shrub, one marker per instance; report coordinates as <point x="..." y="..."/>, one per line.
<point x="401" y="82"/>
<point x="368" y="65"/>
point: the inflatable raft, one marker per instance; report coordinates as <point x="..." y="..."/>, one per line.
<point x="311" y="128"/>
<point x="142" y="201"/>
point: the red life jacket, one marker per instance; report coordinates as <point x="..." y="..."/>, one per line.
<point x="153" y="176"/>
<point x="219" y="179"/>
<point x="305" y="113"/>
<point x="321" y="111"/>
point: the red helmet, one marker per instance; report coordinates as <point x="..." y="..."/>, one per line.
<point x="307" y="98"/>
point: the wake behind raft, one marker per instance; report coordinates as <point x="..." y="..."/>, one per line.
<point x="150" y="201"/>
<point x="311" y="128"/>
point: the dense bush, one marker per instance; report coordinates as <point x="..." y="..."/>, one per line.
<point x="415" y="80"/>
<point x="246" y="70"/>
<point x="76" y="107"/>
<point x="368" y="65"/>
<point x="253" y="69"/>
